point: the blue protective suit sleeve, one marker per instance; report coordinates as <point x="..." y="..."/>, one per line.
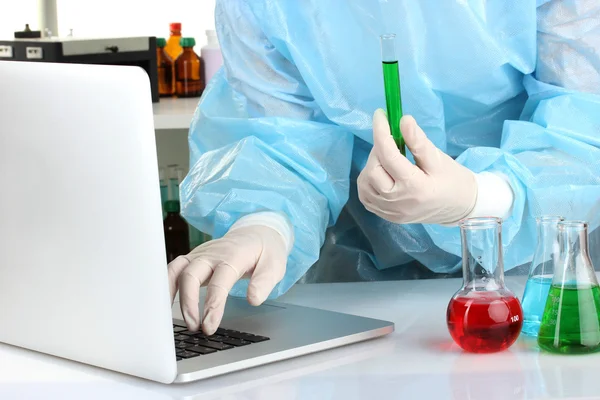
<point x="259" y="142"/>
<point x="551" y="155"/>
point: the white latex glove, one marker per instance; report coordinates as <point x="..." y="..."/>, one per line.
<point x="256" y="251"/>
<point x="437" y="190"/>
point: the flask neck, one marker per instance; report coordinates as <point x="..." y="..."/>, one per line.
<point x="547" y="248"/>
<point x="574" y="265"/>
<point x="573" y="239"/>
<point x="547" y="236"/>
<point x="482" y="259"/>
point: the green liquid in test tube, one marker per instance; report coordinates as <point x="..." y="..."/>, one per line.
<point x="391" y="81"/>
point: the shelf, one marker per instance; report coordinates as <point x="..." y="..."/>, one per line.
<point x="174" y="113"/>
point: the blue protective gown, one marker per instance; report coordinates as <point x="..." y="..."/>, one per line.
<point x="509" y="86"/>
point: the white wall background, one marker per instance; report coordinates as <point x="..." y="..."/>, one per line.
<point x="135" y="17"/>
<point x="15" y="14"/>
<point x="109" y="18"/>
<point x="102" y="18"/>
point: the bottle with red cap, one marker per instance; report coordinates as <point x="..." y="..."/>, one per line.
<point x="173" y="48"/>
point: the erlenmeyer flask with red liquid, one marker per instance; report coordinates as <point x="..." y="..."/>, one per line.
<point x="483" y="316"/>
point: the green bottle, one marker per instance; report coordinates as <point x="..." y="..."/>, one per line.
<point x="571" y="319"/>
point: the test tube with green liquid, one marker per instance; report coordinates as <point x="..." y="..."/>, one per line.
<point x="391" y="81"/>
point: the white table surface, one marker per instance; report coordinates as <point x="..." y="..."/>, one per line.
<point x="417" y="361"/>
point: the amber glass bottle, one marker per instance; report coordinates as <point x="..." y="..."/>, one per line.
<point x="166" y="69"/>
<point x="189" y="72"/>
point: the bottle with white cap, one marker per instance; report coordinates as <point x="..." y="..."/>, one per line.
<point x="211" y="55"/>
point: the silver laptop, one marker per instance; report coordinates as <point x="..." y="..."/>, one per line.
<point x="82" y="260"/>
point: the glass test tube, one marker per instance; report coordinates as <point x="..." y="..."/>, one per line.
<point x="164" y="195"/>
<point x="391" y="81"/>
<point x="173" y="183"/>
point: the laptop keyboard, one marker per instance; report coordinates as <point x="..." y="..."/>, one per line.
<point x="193" y="344"/>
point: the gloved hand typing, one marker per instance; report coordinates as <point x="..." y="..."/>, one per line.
<point x="255" y="251"/>
<point x="436" y="190"/>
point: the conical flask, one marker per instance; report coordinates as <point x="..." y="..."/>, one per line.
<point x="540" y="274"/>
<point x="483" y="316"/>
<point x="571" y="323"/>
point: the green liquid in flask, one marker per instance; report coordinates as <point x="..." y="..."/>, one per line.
<point x="393" y="102"/>
<point x="571" y="320"/>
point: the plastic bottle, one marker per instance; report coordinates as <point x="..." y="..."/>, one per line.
<point x="173" y="47"/>
<point x="189" y="73"/>
<point x="166" y="69"/>
<point x="211" y="55"/>
<point x="177" y="240"/>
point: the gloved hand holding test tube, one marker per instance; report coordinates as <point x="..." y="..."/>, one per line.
<point x="394" y="188"/>
<point x="391" y="81"/>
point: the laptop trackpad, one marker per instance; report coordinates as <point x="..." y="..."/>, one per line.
<point x="236" y="308"/>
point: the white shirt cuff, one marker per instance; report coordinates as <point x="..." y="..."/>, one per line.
<point x="494" y="196"/>
<point x="274" y="220"/>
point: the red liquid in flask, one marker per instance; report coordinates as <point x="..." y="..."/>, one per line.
<point x="484" y="322"/>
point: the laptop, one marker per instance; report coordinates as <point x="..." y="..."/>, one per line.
<point x="82" y="256"/>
